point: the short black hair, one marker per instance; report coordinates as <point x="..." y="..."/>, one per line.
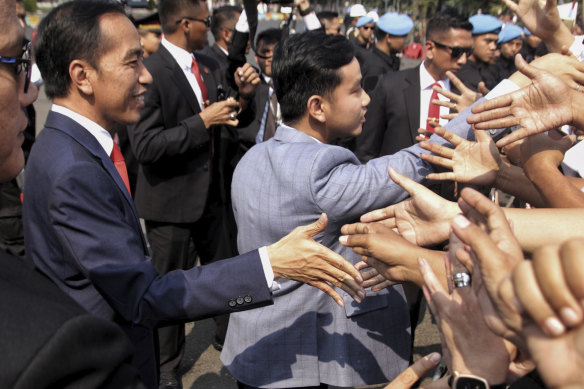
<point x="327" y="15"/>
<point x="442" y="22"/>
<point x="307" y="64"/>
<point x="221" y="15"/>
<point x="269" y="36"/>
<point x="169" y="11"/>
<point x="70" y="31"/>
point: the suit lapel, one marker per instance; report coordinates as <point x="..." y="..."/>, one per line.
<point x="178" y="77"/>
<point x="412" y="99"/>
<point x="83" y="137"/>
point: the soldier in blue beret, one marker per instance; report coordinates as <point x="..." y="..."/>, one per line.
<point x="510" y="42"/>
<point x="362" y="42"/>
<point x="532" y="46"/>
<point x="478" y="68"/>
<point x="391" y="32"/>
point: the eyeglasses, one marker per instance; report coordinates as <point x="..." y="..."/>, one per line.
<point x="20" y="64"/>
<point x="207" y="20"/>
<point x="366" y="27"/>
<point x="457" y="51"/>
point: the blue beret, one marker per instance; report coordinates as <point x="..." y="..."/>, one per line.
<point x="395" y="24"/>
<point x="483" y="24"/>
<point x="509" y="32"/>
<point x="526" y="32"/>
<point x="363" y="20"/>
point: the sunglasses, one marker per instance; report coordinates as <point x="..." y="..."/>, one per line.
<point x="457" y="51"/>
<point x="366" y="27"/>
<point x="207" y="20"/>
<point x="20" y="64"/>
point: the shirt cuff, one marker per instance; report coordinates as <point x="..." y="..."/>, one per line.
<point x="311" y="21"/>
<point x="242" y="25"/>
<point x="268" y="272"/>
<point x="504" y="87"/>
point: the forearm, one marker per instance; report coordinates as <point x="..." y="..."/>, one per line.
<point x="554" y="187"/>
<point x="512" y="179"/>
<point x="537" y="227"/>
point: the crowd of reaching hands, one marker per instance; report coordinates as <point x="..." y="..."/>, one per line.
<point x="508" y="294"/>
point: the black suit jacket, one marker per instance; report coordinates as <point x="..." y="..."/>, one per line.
<point x="215" y="52"/>
<point x="393" y="116"/>
<point x="375" y="64"/>
<point x="49" y="341"/>
<point x="172" y="144"/>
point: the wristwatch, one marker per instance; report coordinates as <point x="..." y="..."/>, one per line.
<point x="468" y="381"/>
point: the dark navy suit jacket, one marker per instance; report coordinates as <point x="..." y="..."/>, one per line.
<point x="83" y="231"/>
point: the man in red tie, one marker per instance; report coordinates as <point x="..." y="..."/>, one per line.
<point x="401" y="102"/>
<point x="180" y="190"/>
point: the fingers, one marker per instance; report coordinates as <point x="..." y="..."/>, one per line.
<point x="326" y="288"/>
<point x="406" y="183"/>
<point x="483" y="88"/>
<point x="511" y="5"/>
<point x="423" y="135"/>
<point x="451" y="137"/>
<point x="532" y="300"/>
<point x="512" y="137"/>
<point x="382" y="285"/>
<point x="354" y="229"/>
<point x="525" y="68"/>
<point x="489" y="105"/>
<point x="379" y="214"/>
<point x="315" y="228"/>
<point x="548" y="269"/>
<point x="447" y="104"/>
<point x="408" y="377"/>
<point x="446" y="176"/>
<point x="438" y="150"/>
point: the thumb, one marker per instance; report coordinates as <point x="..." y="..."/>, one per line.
<point x="483" y="88"/>
<point x="318" y="226"/>
<point x="566" y="142"/>
<point x="406" y="183"/>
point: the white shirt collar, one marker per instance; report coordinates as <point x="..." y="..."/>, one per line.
<point x="426" y="79"/>
<point x="103" y="137"/>
<point x="180" y="55"/>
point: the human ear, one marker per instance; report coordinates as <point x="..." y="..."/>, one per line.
<point x="81" y="73"/>
<point x="315" y="108"/>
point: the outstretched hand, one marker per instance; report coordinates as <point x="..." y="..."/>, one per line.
<point x="423" y="219"/>
<point x="475" y="163"/>
<point x="297" y="256"/>
<point x="545" y="104"/>
<point x="458" y="102"/>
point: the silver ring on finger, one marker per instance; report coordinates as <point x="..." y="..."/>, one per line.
<point x="461" y="280"/>
<point x="233" y="116"/>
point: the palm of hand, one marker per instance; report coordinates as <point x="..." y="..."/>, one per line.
<point x="476" y="163"/>
<point x="540" y="21"/>
<point x="417" y="218"/>
<point x="543" y="106"/>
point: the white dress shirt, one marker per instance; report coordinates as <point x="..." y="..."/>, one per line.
<point x="426" y="82"/>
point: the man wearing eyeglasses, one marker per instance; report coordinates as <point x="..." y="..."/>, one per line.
<point x="401" y="103"/>
<point x="177" y="141"/>
<point x="222" y="27"/>
<point x="362" y="42"/>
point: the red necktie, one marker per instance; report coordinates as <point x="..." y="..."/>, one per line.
<point x="433" y="110"/>
<point x="118" y="160"/>
<point x="197" y="73"/>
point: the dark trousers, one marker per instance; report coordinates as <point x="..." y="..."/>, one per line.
<point x="241" y="385"/>
<point x="175" y="246"/>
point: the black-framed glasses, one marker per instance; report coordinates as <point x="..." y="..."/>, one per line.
<point x="366" y="27"/>
<point x="20" y="64"/>
<point x="456" y="51"/>
<point x="207" y="20"/>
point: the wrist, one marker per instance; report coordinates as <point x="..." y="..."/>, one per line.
<point x="304" y="8"/>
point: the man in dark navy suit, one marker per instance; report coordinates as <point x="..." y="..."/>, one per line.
<point x="81" y="226"/>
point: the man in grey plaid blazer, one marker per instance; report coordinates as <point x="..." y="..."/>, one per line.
<point x="305" y="339"/>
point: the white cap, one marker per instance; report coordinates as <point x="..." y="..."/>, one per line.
<point x="357" y="11"/>
<point x="374" y="15"/>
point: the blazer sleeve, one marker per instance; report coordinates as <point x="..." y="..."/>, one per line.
<point x="153" y="139"/>
<point x="92" y="221"/>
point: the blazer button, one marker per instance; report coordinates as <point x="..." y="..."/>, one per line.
<point x="232" y="303"/>
<point x="247" y="299"/>
<point x="239" y="300"/>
